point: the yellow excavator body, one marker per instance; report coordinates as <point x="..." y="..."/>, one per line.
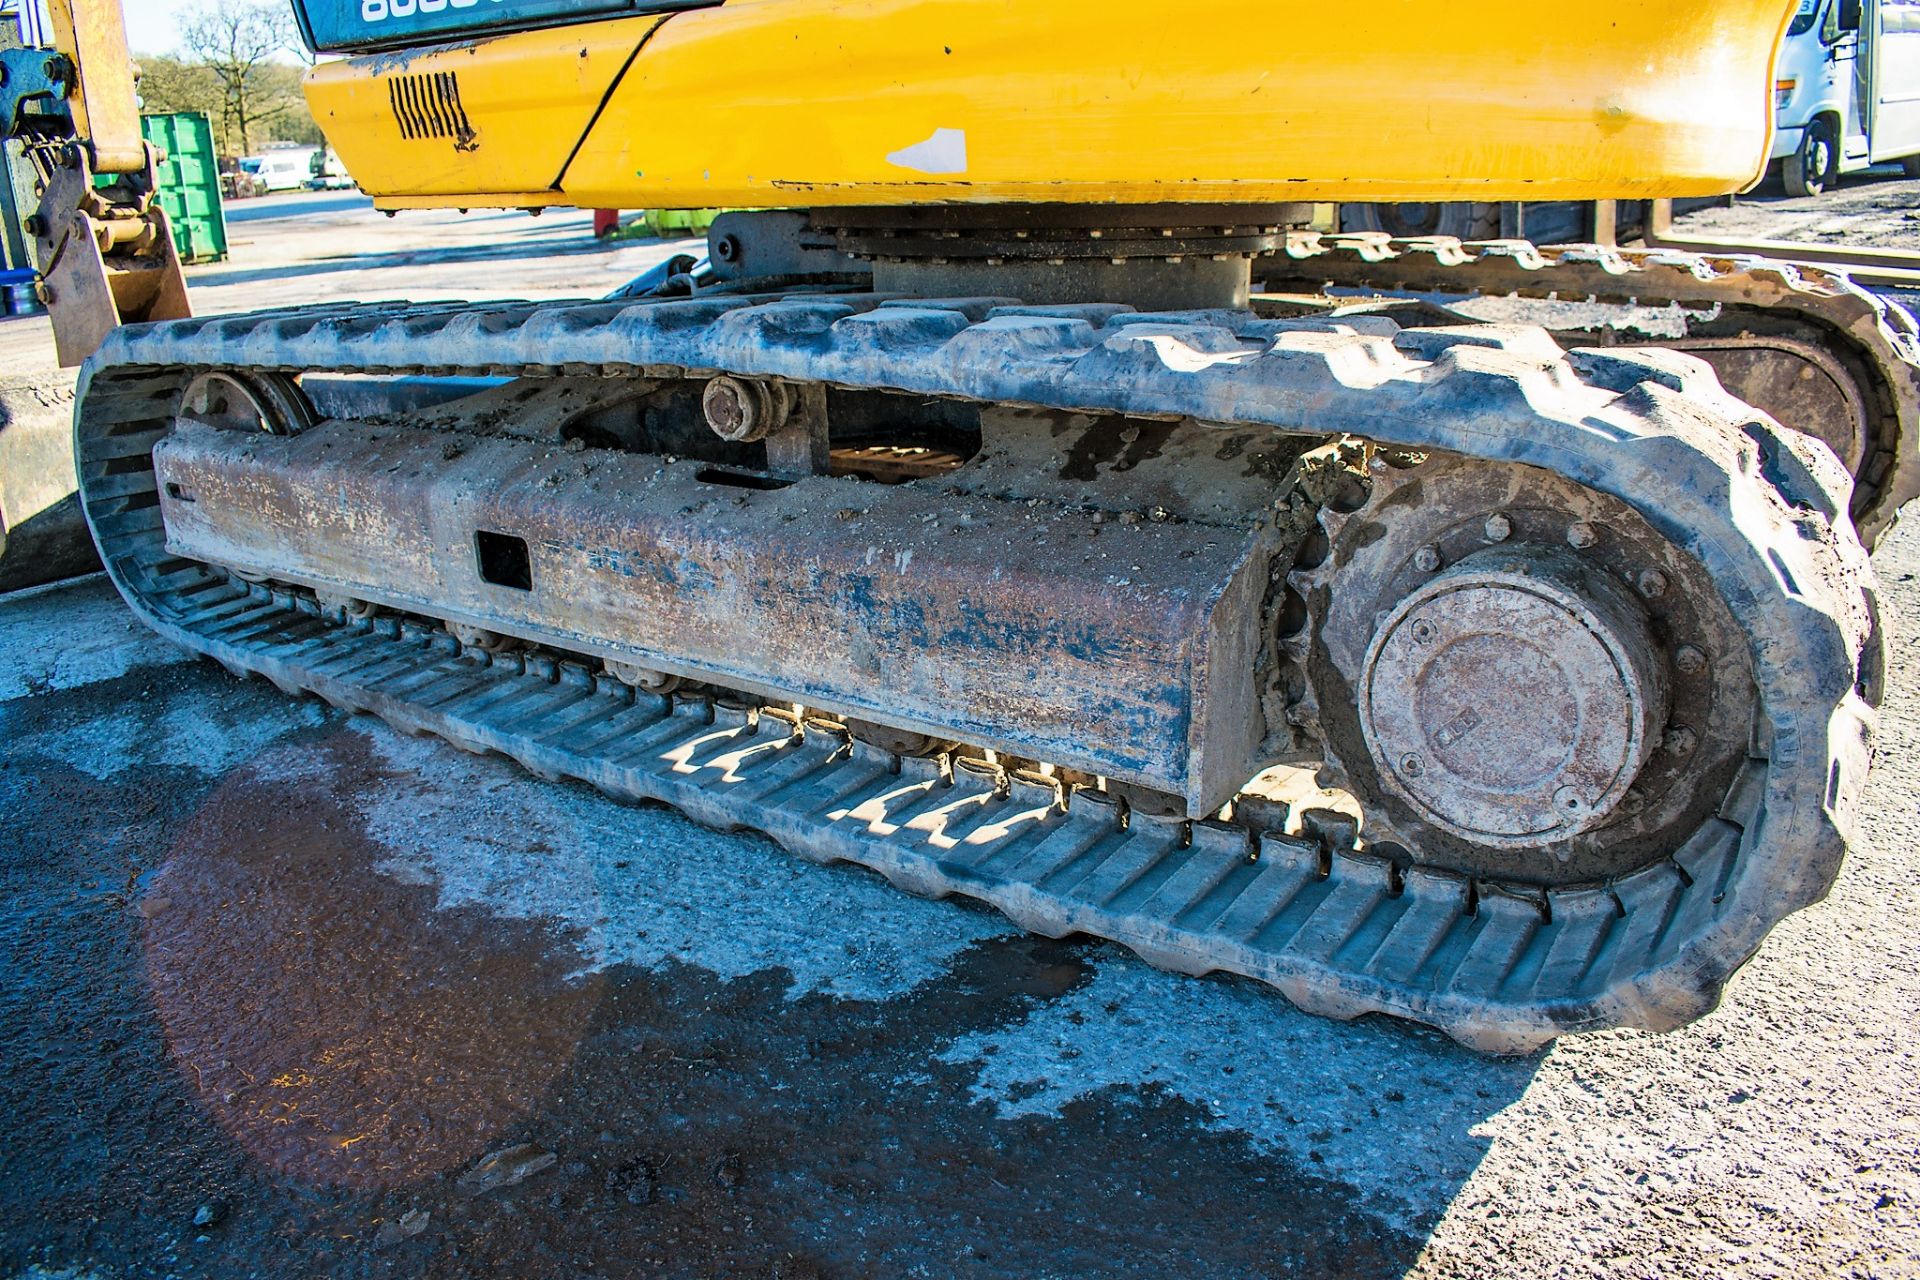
<point x="803" y="103"/>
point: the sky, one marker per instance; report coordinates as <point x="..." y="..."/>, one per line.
<point x="153" y="26"/>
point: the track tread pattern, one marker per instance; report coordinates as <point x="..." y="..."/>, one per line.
<point x="1884" y="333"/>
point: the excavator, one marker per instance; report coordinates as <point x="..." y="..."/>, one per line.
<point x="1023" y="500"/>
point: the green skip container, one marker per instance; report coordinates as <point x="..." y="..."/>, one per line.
<point x="189" y="182"/>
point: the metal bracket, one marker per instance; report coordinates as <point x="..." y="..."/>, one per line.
<point x="774" y="244"/>
<point x="798" y="447"/>
<point x="35" y="85"/>
<point x="105" y="261"/>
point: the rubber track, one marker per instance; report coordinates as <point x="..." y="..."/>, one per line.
<point x="1339" y="932"/>
<point x="1882" y="333"/>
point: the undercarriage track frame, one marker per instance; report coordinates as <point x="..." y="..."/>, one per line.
<point x="1338" y="930"/>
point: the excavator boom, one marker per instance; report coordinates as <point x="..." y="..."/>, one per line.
<point x="105" y="256"/>
<point x="104" y="250"/>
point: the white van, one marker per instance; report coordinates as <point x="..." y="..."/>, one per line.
<point x="1847" y="91"/>
<point x="281" y="170"/>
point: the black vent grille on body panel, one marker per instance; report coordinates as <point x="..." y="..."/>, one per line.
<point x="429" y="107"/>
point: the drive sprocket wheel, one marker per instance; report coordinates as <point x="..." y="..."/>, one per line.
<point x="1582" y="667"/>
<point x="1518" y="678"/>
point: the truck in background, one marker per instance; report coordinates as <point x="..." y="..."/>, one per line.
<point x="281" y="169"/>
<point x="328" y="174"/>
<point x="1847" y="91"/>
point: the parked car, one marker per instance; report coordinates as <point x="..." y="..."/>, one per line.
<point x="281" y="170"/>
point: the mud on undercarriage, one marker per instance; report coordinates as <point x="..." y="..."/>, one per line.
<point x="1025" y="602"/>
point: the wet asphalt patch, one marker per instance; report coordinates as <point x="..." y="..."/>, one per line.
<point x="236" y="1046"/>
<point x="345" y="1002"/>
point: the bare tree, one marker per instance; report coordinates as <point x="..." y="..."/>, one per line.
<point x="238" y="40"/>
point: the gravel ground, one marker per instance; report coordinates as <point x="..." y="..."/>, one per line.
<point x="289" y="994"/>
<point x="1875" y="209"/>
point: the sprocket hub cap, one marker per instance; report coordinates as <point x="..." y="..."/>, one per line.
<point x="1513" y="698"/>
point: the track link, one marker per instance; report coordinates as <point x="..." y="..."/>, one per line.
<point x="1878" y="340"/>
<point x="1340" y="931"/>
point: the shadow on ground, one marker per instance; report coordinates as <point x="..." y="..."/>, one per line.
<point x="270" y="208"/>
<point x="554" y="247"/>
